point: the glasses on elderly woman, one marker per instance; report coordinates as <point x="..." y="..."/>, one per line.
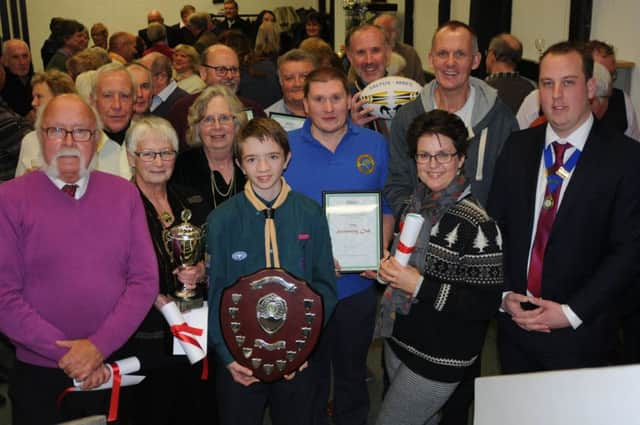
<point x="440" y="157"/>
<point x="222" y="120"/>
<point x="150" y="156"/>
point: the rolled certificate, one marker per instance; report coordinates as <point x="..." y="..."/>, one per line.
<point x="407" y="241"/>
<point x="118" y="377"/>
<point x="187" y="336"/>
<point x="125" y="368"/>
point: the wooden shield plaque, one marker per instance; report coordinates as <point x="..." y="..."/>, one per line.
<point x="271" y="322"/>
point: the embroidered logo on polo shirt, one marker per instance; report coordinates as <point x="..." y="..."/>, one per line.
<point x="365" y="163"/>
<point x="239" y="255"/>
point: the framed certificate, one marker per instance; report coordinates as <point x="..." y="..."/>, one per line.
<point x="288" y="122"/>
<point x="355" y="225"/>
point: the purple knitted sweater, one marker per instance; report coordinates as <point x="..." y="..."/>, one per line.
<point x="72" y="269"/>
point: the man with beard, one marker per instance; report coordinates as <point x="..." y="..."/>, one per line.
<point x="77" y="269"/>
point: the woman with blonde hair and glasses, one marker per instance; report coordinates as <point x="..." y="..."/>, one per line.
<point x="185" y="63"/>
<point x="214" y="118"/>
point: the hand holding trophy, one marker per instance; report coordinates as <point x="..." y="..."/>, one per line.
<point x="183" y="243"/>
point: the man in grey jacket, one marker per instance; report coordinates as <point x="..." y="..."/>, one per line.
<point x="454" y="54"/>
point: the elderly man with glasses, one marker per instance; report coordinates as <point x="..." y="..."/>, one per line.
<point x="77" y="268"/>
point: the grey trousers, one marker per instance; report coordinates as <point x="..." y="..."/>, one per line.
<point x="411" y="398"/>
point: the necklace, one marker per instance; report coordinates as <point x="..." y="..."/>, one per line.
<point x="224" y="195"/>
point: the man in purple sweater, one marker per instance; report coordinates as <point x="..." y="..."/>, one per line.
<point x="77" y="269"/>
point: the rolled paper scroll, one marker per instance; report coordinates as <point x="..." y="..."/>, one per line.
<point x="408" y="237"/>
<point x="190" y="338"/>
<point x="126" y="367"/>
<point x="407" y="240"/>
<point x="119" y="376"/>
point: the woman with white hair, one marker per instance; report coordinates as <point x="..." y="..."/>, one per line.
<point x="152" y="148"/>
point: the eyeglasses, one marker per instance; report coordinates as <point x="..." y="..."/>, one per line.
<point x="221" y="71"/>
<point x="150" y="156"/>
<point x="222" y="119"/>
<point x="440" y="157"/>
<point x="58" y="134"/>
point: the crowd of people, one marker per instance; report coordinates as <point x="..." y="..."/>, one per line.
<point x="533" y="220"/>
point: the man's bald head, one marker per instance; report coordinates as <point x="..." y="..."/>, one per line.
<point x="507" y="49"/>
<point x="155" y="16"/>
<point x="390" y="25"/>
<point x="124" y="44"/>
<point x="220" y="65"/>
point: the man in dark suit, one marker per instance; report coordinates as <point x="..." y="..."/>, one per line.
<point x="201" y="27"/>
<point x="571" y="240"/>
<point x="181" y="29"/>
<point x="231" y="19"/>
<point x="165" y="89"/>
<point x="155" y="16"/>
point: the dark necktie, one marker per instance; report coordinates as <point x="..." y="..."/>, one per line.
<point x="70" y="189"/>
<point x="545" y="222"/>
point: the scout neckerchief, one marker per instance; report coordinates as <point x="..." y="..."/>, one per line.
<point x="270" y="240"/>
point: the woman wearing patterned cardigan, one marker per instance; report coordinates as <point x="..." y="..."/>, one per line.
<point x="435" y="312"/>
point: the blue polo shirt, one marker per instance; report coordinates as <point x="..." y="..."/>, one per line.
<point x="358" y="164"/>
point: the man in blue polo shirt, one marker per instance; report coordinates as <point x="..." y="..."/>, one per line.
<point x="329" y="153"/>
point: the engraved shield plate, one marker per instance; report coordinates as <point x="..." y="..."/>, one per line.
<point x="271" y="312"/>
<point x="278" y="319"/>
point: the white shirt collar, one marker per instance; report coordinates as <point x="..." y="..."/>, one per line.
<point x="82" y="184"/>
<point x="163" y="95"/>
<point x="577" y="138"/>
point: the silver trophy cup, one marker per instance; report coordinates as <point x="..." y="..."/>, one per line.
<point x="184" y="243"/>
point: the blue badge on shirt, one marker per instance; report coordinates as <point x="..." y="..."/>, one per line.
<point x="239" y="255"/>
<point x="365" y="163"/>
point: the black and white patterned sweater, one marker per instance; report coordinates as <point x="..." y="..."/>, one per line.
<point x="462" y="289"/>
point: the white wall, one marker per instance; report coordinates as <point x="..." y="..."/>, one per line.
<point x="126" y="15"/>
<point x="425" y="23"/>
<point x="460" y="10"/>
<point x="615" y="21"/>
<point x="545" y="19"/>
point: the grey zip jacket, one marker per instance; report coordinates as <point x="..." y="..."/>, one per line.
<point x="492" y="122"/>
